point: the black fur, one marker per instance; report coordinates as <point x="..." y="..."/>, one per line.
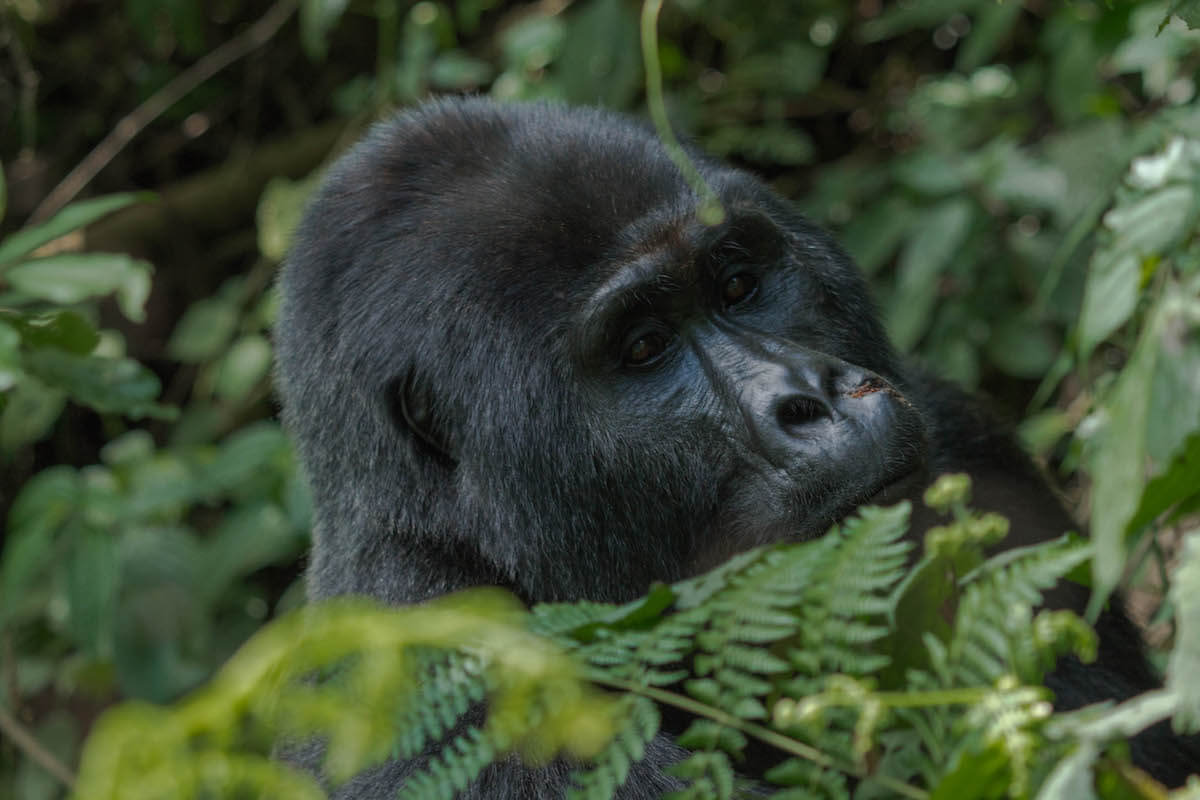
<point x="458" y="361"/>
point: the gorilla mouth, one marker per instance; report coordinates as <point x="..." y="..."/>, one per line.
<point x="905" y="487"/>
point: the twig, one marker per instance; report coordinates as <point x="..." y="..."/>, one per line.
<point x="135" y="121"/>
<point x="33" y="749"/>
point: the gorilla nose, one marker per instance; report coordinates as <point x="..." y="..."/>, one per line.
<point x="825" y="410"/>
<point x="795" y="410"/>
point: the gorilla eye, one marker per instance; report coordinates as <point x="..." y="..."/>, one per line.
<point x="645" y="348"/>
<point x="738" y="288"/>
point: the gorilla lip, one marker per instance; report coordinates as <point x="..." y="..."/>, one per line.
<point x="902" y="488"/>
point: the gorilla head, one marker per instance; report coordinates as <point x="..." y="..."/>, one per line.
<point x="512" y="355"/>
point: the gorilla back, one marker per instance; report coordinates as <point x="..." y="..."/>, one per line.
<point x="511" y="355"/>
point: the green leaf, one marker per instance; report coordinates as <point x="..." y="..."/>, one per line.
<point x="1178" y="484"/>
<point x="772" y="143"/>
<point x="459" y="71"/>
<point x="72" y="277"/>
<point x="65" y="330"/>
<point x="1109" y="297"/>
<point x="1175" y="387"/>
<point x="250" y="537"/>
<point x="1021" y="347"/>
<point x="1185" y="657"/>
<point x="76" y="215"/>
<point x="317" y="19"/>
<point x="1026" y="183"/>
<point x="250" y="450"/>
<point x="246" y="364"/>
<point x="989" y="29"/>
<point x="91" y="590"/>
<point x="597" y="65"/>
<point x="904" y="17"/>
<point x="1118" y="462"/>
<point x="976" y="774"/>
<point x="1186" y="10"/>
<point x="119" y="385"/>
<point x="10" y="355"/>
<point x="131" y="447"/>
<point x="934" y="174"/>
<point x="44" y="503"/>
<point x="1072" y="777"/>
<point x="30" y="412"/>
<point x="204" y="331"/>
<point x="161" y="487"/>
<point x="3" y="193"/>
<point x="874" y="233"/>
<point x="1154" y="223"/>
<point x="279" y="210"/>
<point x="924" y="604"/>
<point x="936" y="240"/>
<point x="533" y="42"/>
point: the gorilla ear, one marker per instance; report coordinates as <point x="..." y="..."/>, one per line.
<point x="411" y="404"/>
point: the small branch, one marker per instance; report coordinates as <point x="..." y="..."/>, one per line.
<point x="33" y="749"/>
<point x="136" y="121"/>
<point x="761" y="732"/>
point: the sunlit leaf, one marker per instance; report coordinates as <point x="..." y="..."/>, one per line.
<point x="458" y="71"/>
<point x="246" y="364"/>
<point x="279" y="210"/>
<point x="1109" y="298"/>
<point x="1184" y="665"/>
<point x="1118" y="463"/>
<point x="317" y="19"/>
<point x="71" y="277"/>
<point x="204" y="331"/>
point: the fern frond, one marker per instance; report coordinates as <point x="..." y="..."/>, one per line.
<point x="710" y="776"/>
<point x="452" y="770"/>
<point x="808" y="781"/>
<point x="449" y="684"/>
<point x="996" y="611"/>
<point x="639" y="721"/>
<point x="554" y="618"/>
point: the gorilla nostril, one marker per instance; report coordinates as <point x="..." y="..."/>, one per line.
<point x="799" y="409"/>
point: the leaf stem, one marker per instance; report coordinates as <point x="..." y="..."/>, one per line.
<point x="761" y="732"/>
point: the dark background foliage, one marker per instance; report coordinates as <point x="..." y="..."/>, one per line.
<point x="966" y="152"/>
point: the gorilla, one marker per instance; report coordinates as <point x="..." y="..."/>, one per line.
<point x="511" y="354"/>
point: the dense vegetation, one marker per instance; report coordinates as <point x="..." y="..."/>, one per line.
<point x="1021" y="181"/>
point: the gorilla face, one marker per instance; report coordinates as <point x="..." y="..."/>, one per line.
<point x="711" y="358"/>
<point x="513" y="355"/>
